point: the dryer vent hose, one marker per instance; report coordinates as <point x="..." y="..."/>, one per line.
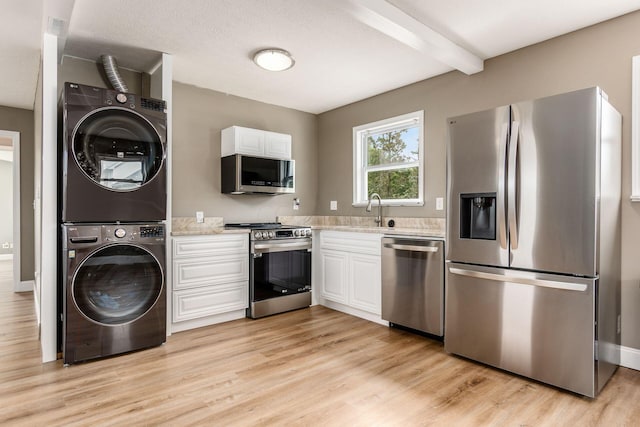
<point x="111" y="68"/>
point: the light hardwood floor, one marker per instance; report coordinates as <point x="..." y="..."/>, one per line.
<point x="314" y="367"/>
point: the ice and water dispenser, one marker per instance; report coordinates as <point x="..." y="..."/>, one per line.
<point x="478" y="216"/>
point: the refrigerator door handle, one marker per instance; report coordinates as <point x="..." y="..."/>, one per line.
<point x="502" y="225"/>
<point x="512" y="184"/>
<point x="580" y="287"/>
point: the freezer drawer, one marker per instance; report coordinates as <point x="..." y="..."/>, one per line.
<point x="538" y="325"/>
<point x="413" y="283"/>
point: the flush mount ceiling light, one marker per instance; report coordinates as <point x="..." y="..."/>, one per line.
<point x="273" y="59"/>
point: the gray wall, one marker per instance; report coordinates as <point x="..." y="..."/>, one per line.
<point x="82" y="71"/>
<point x="599" y="55"/>
<point x="20" y="120"/>
<point x="198" y="117"/>
<point x="6" y="200"/>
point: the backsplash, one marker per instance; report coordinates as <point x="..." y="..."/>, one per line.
<point x="183" y="224"/>
<point x="436" y="224"/>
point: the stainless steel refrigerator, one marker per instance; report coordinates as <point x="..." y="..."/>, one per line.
<point x="533" y="234"/>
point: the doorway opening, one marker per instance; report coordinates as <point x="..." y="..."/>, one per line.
<point x="10" y="197"/>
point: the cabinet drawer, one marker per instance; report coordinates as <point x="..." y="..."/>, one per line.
<point x="200" y="302"/>
<point x="210" y="245"/>
<point x="362" y="243"/>
<point x="205" y="271"/>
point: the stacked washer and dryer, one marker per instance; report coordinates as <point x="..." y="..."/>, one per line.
<point x="113" y="207"/>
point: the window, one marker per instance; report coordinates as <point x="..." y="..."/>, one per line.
<point x="388" y="161"/>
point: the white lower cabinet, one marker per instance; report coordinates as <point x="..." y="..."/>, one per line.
<point x="210" y="279"/>
<point x="365" y="288"/>
<point x="335" y="275"/>
<point x="349" y="273"/>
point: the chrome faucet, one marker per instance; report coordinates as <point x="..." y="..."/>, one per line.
<point x="379" y="216"/>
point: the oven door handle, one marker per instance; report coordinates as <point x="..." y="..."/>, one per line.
<point x="280" y="247"/>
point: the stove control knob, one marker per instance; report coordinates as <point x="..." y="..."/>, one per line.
<point x="121" y="98"/>
<point x="296" y="233"/>
<point x="258" y="235"/>
<point x="308" y="232"/>
<point x="272" y="234"/>
<point x="120" y="233"/>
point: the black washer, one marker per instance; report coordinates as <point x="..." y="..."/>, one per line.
<point x="114" y="289"/>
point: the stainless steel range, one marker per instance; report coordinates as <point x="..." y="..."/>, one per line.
<point x="279" y="268"/>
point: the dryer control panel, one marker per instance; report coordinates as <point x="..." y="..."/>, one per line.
<point x="152" y="231"/>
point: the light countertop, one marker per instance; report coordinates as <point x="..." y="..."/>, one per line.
<point x="421" y="227"/>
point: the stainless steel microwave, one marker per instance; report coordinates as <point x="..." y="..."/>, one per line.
<point x="244" y="174"/>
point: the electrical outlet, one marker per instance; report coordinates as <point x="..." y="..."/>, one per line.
<point x="296" y="203"/>
<point x="333" y="205"/>
<point x="439" y="203"/>
<point x="199" y="217"/>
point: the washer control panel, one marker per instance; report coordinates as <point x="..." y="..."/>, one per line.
<point x="122" y="233"/>
<point x="90" y="235"/>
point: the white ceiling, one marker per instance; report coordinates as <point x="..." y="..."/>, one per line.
<point x="339" y="59"/>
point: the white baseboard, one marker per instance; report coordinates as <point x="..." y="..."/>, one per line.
<point x="630" y="357"/>
<point x="353" y="311"/>
<point x="26" y="286"/>
<point x="6" y="257"/>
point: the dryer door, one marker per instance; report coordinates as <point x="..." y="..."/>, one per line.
<point x="118" y="149"/>
<point x="117" y="284"/>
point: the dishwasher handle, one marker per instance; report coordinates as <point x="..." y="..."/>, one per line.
<point x="414" y="248"/>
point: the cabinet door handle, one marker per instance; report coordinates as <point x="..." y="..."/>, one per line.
<point x="414" y="248"/>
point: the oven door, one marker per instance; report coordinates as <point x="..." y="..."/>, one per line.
<point x="280" y="276"/>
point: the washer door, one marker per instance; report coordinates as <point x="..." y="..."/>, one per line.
<point x="117" y="284"/>
<point x="118" y="149"/>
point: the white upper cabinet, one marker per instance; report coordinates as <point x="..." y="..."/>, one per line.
<point x="277" y="145"/>
<point x="255" y="142"/>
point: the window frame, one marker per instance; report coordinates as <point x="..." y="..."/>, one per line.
<point x="360" y="168"/>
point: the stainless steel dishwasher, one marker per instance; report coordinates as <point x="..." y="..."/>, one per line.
<point x="413" y="283"/>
